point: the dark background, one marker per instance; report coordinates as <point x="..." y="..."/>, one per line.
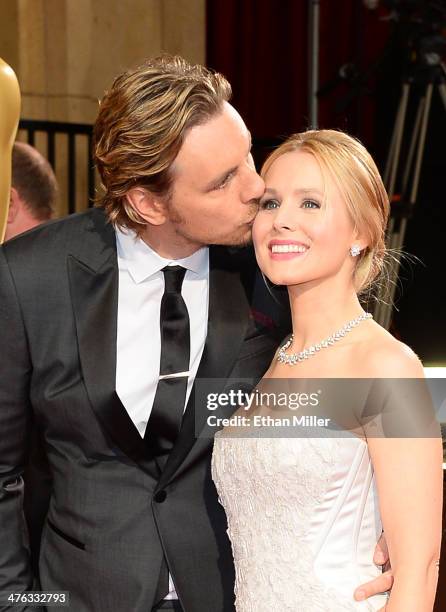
<point x="261" y="46"/>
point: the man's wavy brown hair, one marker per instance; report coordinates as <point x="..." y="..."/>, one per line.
<point x="141" y="126"/>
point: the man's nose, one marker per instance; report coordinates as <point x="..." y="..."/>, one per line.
<point x="255" y="187"/>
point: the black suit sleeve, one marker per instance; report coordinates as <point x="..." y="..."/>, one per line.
<point x="15" y="418"/>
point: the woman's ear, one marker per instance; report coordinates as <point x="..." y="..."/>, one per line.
<point x="149" y="206"/>
<point x="360" y="240"/>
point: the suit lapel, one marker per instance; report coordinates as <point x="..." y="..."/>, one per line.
<point x="93" y="277"/>
<point x="227" y="323"/>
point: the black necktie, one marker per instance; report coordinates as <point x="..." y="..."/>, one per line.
<point x="168" y="406"/>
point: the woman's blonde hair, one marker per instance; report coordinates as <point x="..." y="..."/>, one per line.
<point x="359" y="183"/>
<point x="141" y="125"/>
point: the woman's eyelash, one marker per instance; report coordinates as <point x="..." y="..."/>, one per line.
<point x="272" y="204"/>
<point x="268" y="204"/>
<point x="312" y="203"/>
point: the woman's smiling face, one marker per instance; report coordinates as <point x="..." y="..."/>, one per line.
<point x="303" y="231"/>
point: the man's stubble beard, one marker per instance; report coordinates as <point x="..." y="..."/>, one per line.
<point x="180" y="226"/>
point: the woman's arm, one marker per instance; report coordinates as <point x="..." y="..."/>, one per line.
<point x="409" y="478"/>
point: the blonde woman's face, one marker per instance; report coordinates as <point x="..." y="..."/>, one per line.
<point x="303" y="232"/>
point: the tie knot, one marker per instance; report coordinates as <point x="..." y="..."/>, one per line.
<point x="173" y="278"/>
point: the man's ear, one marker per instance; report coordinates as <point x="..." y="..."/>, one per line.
<point x="149" y="206"/>
<point x="14" y="205"/>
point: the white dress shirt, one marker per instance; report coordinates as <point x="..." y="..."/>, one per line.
<point x="141" y="287"/>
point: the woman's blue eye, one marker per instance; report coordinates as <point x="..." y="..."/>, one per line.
<point x="269" y="204"/>
<point x="310" y="204"/>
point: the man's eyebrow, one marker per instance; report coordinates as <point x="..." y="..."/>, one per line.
<point x="223" y="175"/>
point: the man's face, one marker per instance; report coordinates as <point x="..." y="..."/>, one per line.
<point x="215" y="186"/>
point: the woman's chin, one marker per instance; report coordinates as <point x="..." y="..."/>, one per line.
<point x="284" y="279"/>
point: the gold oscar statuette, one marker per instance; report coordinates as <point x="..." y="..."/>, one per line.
<point x="9" y="120"/>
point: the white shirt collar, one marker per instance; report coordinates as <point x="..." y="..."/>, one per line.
<point x="142" y="261"/>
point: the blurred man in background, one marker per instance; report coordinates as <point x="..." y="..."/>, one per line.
<point x="33" y="190"/>
<point x="32" y="201"/>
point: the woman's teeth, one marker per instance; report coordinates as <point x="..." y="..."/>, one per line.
<point x="288" y="248"/>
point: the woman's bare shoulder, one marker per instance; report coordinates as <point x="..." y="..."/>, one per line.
<point x="381" y="355"/>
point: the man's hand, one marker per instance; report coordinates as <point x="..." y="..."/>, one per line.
<point x="383" y="582"/>
<point x="381" y="556"/>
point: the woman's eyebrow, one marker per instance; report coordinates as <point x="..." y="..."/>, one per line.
<point x="302" y="190"/>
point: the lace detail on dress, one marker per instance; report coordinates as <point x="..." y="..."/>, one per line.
<point x="270" y="489"/>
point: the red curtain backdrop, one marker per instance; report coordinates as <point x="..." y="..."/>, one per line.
<point x="262" y="47"/>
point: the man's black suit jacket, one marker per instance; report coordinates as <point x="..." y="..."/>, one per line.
<point x="111" y="517"/>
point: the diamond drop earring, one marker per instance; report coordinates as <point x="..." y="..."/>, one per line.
<point x="355" y="250"/>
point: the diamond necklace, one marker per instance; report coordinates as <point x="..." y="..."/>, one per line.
<point x="293" y="358"/>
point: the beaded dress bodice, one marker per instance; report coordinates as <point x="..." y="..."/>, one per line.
<point x="303" y="520"/>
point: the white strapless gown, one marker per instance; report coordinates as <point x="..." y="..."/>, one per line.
<point x="303" y="520"/>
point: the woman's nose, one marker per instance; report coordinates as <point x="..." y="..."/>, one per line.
<point x="284" y="219"/>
